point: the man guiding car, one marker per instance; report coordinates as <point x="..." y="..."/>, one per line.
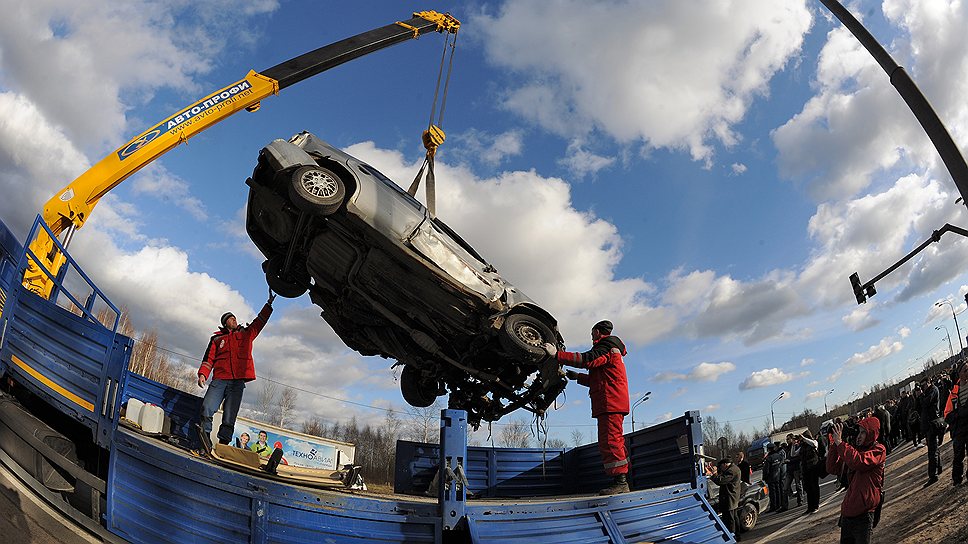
<point x="228" y="361"/>
<point x="608" y="388"/>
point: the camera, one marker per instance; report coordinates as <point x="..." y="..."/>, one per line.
<point x="850" y="431"/>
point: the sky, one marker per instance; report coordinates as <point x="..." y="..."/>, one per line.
<point x="705" y="174"/>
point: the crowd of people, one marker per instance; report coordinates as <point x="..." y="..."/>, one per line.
<point x="854" y="449"/>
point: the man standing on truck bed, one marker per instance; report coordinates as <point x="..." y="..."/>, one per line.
<point x="608" y="388"/>
<point x="228" y="360"/>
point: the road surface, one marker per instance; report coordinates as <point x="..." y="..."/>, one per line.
<point x="26" y="519"/>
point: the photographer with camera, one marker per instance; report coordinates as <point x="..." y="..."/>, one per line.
<point x="864" y="464"/>
<point x="956" y="414"/>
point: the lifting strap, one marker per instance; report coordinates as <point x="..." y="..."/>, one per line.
<point x="434" y="136"/>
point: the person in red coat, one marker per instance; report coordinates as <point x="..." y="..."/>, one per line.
<point x="228" y="361"/>
<point x="865" y="472"/>
<point x="608" y="388"/>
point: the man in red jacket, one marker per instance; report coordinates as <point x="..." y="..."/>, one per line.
<point x="865" y="472"/>
<point x="608" y="388"/>
<point x="228" y="360"/>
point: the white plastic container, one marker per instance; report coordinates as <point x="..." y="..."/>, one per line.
<point x="133" y="412"/>
<point x="152" y="418"/>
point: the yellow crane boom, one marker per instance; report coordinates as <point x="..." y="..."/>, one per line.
<point x="70" y="208"/>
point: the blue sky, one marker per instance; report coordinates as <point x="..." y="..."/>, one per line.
<point x="704" y="174"/>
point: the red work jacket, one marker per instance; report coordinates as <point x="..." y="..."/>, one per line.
<point x="865" y="468"/>
<point x="229" y="353"/>
<point x="607" y="383"/>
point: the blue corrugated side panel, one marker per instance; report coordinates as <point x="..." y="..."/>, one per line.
<point x="182" y="408"/>
<point x="160" y="494"/>
<point x="659" y="455"/>
<point x="10" y="250"/>
<point x="70" y="351"/>
<point x="671" y="514"/>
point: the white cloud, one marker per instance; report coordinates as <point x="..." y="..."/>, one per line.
<point x="753" y="311"/>
<point x="661" y="418"/>
<point x="157" y="182"/>
<point x="904" y="332"/>
<point x="101" y="48"/>
<point x="637" y="61"/>
<point x="806" y="362"/>
<point x="768" y="377"/>
<point x="860" y="318"/>
<point x="703" y="372"/>
<point x="738" y="168"/>
<point x="815" y="395"/>
<point x="489" y="149"/>
<point x="882" y="349"/>
<point x="581" y="162"/>
<point x="710" y="408"/>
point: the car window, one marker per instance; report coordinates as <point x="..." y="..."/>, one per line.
<point x="366" y="168"/>
<point x="467" y="247"/>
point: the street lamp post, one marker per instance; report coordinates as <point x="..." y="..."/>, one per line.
<point x="825" y="402"/>
<point x="951" y="350"/>
<point x="772" y="415"/>
<point x="638" y="402"/>
<point x="961" y="344"/>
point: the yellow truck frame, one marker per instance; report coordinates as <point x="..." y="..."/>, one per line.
<point x="70" y="208"/>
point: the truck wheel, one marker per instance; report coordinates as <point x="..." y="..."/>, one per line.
<point x="287" y="284"/>
<point x="317" y="190"/>
<point x="525" y="336"/>
<point x="418" y="391"/>
<point x="747" y="516"/>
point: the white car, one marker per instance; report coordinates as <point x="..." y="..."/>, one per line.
<point x="394" y="281"/>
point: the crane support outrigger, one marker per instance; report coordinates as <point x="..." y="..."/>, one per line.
<point x="71" y="207"/>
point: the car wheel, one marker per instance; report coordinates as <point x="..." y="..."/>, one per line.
<point x="289" y="284"/>
<point x="418" y="391"/>
<point x="317" y="190"/>
<point x="747" y="516"/>
<point x="525" y="336"/>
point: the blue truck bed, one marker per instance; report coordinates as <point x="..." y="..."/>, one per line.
<point x="151" y="490"/>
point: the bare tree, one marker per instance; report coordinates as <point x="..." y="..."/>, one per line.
<point x="287" y="404"/>
<point x="423" y="424"/>
<point x="556" y="444"/>
<point x="516" y="435"/>
<point x="313" y="426"/>
<point x="577" y="437"/>
<point x="267" y="398"/>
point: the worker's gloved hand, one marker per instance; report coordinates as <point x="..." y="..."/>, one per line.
<point x="272" y="296"/>
<point x="571" y="375"/>
<point x="550" y="349"/>
<point x="201" y="380"/>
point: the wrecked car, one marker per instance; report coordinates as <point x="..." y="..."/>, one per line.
<point x="394" y="281"/>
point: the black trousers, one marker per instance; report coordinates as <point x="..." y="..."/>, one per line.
<point x="811" y="487"/>
<point x="856" y="530"/>
<point x="731" y="521"/>
<point x="958" y="459"/>
<point x="934" y="457"/>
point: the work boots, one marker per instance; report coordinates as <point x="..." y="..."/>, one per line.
<point x="620" y="485"/>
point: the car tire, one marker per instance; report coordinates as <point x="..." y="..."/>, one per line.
<point x="417" y="391"/>
<point x="525" y="336"/>
<point x="292" y="284"/>
<point x="318" y="190"/>
<point x="747" y="516"/>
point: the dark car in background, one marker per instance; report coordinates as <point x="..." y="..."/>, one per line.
<point x="754" y="500"/>
<point x="394" y="281"/>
